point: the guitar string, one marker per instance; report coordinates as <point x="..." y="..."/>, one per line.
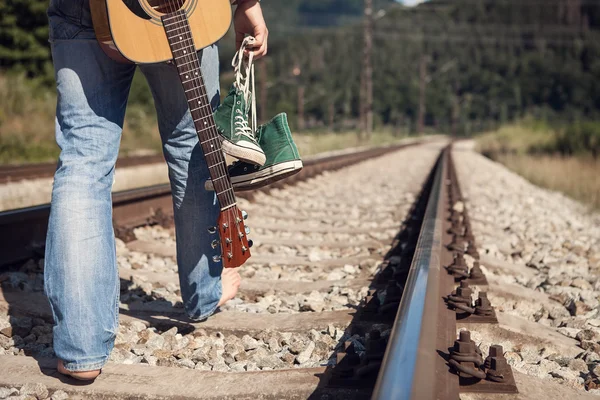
<point x="181" y="24"/>
<point x="196" y="91"/>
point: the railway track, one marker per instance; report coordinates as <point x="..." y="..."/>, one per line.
<point x="360" y="281"/>
<point x="16" y="173"/>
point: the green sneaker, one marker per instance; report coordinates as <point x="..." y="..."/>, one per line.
<point x="239" y="107"/>
<point x="231" y="119"/>
<point x="283" y="159"/>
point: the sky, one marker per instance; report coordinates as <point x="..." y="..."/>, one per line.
<point x="410" y="2"/>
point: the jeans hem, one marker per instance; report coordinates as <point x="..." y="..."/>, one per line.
<point x="78" y="367"/>
<point x="204" y="316"/>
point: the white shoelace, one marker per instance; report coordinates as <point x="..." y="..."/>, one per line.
<point x="244" y="81"/>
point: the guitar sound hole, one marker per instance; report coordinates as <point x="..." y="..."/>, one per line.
<point x="166" y="6"/>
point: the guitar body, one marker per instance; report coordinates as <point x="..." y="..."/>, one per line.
<point x="132" y="30"/>
<point x="151" y="31"/>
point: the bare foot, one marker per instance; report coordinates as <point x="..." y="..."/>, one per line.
<point x="230" y="279"/>
<point x="81" y="375"/>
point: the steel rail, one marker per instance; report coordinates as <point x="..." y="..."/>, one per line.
<point x="20" y="172"/>
<point x="411" y="365"/>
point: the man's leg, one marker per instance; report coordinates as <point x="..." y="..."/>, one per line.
<point x="195" y="208"/>
<point x="81" y="276"/>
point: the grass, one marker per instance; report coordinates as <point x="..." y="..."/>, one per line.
<point x="578" y="178"/>
<point x="320" y="142"/>
<point x="540" y="155"/>
<point x="27" y="125"/>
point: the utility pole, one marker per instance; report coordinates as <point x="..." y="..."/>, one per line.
<point x="301" y="124"/>
<point x="422" y="85"/>
<point x="366" y="82"/>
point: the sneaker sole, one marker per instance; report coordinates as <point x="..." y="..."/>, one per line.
<point x="263" y="178"/>
<point x="247" y="154"/>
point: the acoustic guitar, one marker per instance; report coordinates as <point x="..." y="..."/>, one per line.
<point x="151" y="31"/>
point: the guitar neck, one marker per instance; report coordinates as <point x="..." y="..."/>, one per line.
<point x="187" y="62"/>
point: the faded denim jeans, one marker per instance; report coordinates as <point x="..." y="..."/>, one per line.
<point x="81" y="273"/>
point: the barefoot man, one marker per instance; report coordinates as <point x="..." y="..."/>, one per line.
<point x="81" y="274"/>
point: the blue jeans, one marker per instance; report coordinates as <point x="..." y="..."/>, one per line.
<point x="81" y="273"/>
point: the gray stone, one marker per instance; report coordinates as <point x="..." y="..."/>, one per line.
<point x="186" y="363"/>
<point x="215" y="356"/>
<point x="569" y="332"/>
<point x="249" y="343"/>
<point x="251" y="366"/>
<point x="149" y="359"/>
<point x="578" y="308"/>
<point x="221" y="366"/>
<point x="203" y="367"/>
<point x="590" y="346"/>
<point x="578" y="364"/>
<point x="558" y="312"/>
<point x="140" y="350"/>
<point x="314" y="302"/>
<point x="155" y="342"/>
<point x="546" y="366"/>
<point x="170" y="332"/>
<point x="200" y="355"/>
<point x="257" y="354"/>
<point x="165" y="362"/>
<point x="565" y="374"/>
<point x="35" y="389"/>
<point x="321" y="351"/>
<point x="305" y="354"/>
<point x="5" y="392"/>
<point x="6" y="342"/>
<point x="270" y="361"/>
<point x="288" y="358"/>
<point x="587" y="334"/>
<point x="296" y="345"/>
<point x="241" y="356"/>
<point x="581" y="284"/>
<point x="59" y="395"/>
<point x="273" y="343"/>
<point x="6" y="331"/>
<point x="137" y="326"/>
<point x="234" y="348"/>
<point x="238" y="366"/>
<point x="590" y="356"/>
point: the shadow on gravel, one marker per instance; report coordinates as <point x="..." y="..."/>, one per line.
<point x="354" y="367"/>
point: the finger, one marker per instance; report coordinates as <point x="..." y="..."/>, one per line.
<point x="260" y="45"/>
<point x="261" y="52"/>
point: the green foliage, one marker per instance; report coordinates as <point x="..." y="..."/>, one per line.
<point x="488" y="62"/>
<point x="580" y="137"/>
<point x="24" y="37"/>
<point x="534" y="137"/>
